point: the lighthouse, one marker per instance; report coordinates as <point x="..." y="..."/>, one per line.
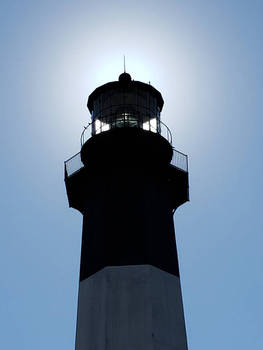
<point x="127" y="181"/>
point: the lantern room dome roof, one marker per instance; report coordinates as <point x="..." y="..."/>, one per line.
<point x="122" y="84"/>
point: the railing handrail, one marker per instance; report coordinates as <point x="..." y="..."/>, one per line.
<point x="168" y="131"/>
<point x="180" y="164"/>
<point x="183" y="154"/>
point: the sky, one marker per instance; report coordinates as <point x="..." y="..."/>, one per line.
<point x="205" y="57"/>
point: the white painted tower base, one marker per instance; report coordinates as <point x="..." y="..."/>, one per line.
<point x="137" y="307"/>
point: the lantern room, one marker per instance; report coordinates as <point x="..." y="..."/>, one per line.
<point x="125" y="103"/>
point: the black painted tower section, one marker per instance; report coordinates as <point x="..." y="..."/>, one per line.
<point x="127" y="188"/>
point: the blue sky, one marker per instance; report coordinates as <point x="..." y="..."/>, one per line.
<point x="206" y="59"/>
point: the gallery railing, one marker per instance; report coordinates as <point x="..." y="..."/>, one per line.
<point x="125" y="120"/>
<point x="74" y="164"/>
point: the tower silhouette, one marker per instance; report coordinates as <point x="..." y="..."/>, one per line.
<point x="127" y="181"/>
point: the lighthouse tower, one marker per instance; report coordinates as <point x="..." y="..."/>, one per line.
<point x="127" y="181"/>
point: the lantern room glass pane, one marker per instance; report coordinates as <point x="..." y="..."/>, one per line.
<point x="133" y="109"/>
